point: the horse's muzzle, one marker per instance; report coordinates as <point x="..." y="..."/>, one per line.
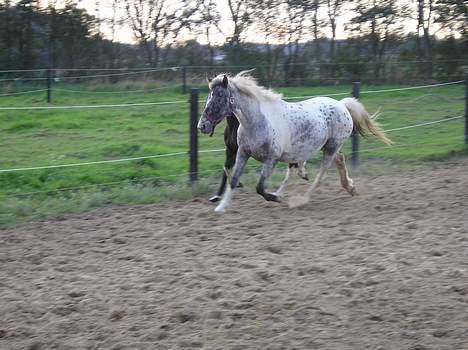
<point x="205" y="126"/>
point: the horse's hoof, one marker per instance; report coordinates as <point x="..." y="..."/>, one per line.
<point x="297" y="202"/>
<point x="306" y="177"/>
<point x="215" y="199"/>
<point x="279" y="196"/>
<point x="271" y="197"/>
<point x="220" y="208"/>
<point x="239" y="185"/>
<point x="352" y="191"/>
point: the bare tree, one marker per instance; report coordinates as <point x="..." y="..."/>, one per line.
<point x="452" y="15"/>
<point x="209" y="21"/>
<point x="157" y="23"/>
<point x="140" y="15"/>
<point x="267" y="21"/>
<point x="296" y="27"/>
<point x="240" y="12"/>
<point x="425" y="21"/>
<point x="316" y="24"/>
<point x="378" y="22"/>
<point x="334" y="11"/>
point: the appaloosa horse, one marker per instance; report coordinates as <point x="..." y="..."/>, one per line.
<point x="230" y="141"/>
<point x="272" y="130"/>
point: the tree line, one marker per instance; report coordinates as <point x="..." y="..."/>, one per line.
<point x="293" y="38"/>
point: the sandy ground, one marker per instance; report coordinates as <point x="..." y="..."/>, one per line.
<point x="387" y="269"/>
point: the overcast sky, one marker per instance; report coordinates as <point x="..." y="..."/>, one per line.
<point x="103" y="8"/>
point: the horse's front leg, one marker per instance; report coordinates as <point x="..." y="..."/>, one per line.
<point x="241" y="159"/>
<point x="222" y="186"/>
<point x="228" y="165"/>
<point x="267" y="169"/>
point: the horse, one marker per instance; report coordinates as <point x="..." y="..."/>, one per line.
<point x="230" y="141"/>
<point x="272" y="130"/>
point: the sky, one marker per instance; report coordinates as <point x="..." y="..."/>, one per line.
<point x="123" y="33"/>
<point x="103" y="9"/>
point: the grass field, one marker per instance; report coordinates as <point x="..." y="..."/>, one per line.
<point x="32" y="138"/>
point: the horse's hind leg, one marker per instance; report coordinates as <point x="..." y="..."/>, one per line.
<point x="346" y="181"/>
<point x="266" y="172"/>
<point x="328" y="157"/>
<point x="324" y="166"/>
<point x="302" y="172"/>
<point x="279" y="192"/>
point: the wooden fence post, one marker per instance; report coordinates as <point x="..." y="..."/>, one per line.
<point x="355" y="135"/>
<point x="193" y="135"/>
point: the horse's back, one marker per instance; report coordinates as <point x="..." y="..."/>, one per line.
<point x="313" y="123"/>
<point x="335" y="113"/>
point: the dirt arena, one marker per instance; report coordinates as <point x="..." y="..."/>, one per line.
<point x="387" y="269"/>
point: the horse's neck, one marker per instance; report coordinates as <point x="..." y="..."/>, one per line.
<point x="249" y="112"/>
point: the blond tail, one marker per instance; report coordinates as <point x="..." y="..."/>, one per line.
<point x="364" y="123"/>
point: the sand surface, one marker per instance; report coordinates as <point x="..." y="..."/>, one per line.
<point x="387" y="269"/>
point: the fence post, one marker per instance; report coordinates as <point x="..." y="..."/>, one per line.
<point x="355" y="135"/>
<point x="466" y="109"/>
<point x="193" y="135"/>
<point x="184" y="79"/>
<point x="49" y="85"/>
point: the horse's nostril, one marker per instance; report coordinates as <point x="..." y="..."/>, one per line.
<point x="204" y="126"/>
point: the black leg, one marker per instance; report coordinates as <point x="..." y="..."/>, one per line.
<point x="266" y="172"/>
<point x="228" y="165"/>
<point x="222" y="187"/>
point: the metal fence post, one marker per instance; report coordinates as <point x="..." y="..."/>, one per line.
<point x="355" y="135"/>
<point x="466" y="109"/>
<point x="49" y="85"/>
<point x="193" y="135"/>
<point x="184" y="79"/>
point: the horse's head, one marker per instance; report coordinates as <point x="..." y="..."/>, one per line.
<point x="218" y="105"/>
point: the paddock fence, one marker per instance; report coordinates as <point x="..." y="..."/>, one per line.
<point x="47" y="81"/>
<point x="193" y="151"/>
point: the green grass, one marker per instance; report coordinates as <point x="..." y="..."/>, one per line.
<point x="50" y="137"/>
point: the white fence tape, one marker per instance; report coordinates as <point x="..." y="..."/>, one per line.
<point x="165" y="155"/>
<point x="122" y="105"/>
<point x="126" y="105"/>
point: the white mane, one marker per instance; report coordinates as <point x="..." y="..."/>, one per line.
<point x="247" y="85"/>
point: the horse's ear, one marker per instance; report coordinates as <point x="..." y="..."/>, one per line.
<point x="208" y="78"/>
<point x="225" y="81"/>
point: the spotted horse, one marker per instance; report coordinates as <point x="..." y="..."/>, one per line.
<point x="230" y="141"/>
<point x="272" y="130"/>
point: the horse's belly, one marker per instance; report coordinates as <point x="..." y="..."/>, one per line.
<point x="301" y="154"/>
<point x="306" y="139"/>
